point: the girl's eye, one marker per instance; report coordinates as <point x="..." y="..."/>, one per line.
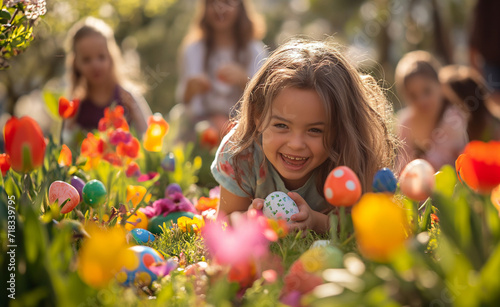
<point x="281" y="126"/>
<point x="316" y="130"/>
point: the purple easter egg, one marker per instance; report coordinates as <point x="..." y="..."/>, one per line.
<point x="78" y="184"/>
<point x="172" y="188"/>
<point x="168" y="163"/>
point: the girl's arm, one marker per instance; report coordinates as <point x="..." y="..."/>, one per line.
<point x="139" y="111"/>
<point x="230" y="203"/>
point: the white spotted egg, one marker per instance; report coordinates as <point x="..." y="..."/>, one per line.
<point x="278" y="205"/>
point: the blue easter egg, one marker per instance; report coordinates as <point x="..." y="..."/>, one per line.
<point x="168" y="163"/>
<point x="142" y="236"/>
<point x="140" y="273"/>
<point x="384" y="181"/>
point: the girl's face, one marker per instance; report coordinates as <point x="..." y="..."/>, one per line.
<point x="92" y="59"/>
<point x="222" y="14"/>
<point x="424" y="94"/>
<point x="293" y="141"/>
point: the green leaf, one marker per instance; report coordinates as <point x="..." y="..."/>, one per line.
<point x="5" y="16"/>
<point x="52" y="103"/>
<point x="446" y="179"/>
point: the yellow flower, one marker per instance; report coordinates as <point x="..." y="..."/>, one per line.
<point x="103" y="255"/>
<point x="135" y="193"/>
<point x="191" y="225"/>
<point x="157" y="129"/>
<point x="381" y="226"/>
<point x="137" y="220"/>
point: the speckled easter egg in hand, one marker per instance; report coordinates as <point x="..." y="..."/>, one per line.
<point x="278" y="205"/>
<point x="61" y="191"/>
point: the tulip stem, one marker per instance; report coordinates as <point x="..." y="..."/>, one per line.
<point x="61" y="133"/>
<point x="351" y="237"/>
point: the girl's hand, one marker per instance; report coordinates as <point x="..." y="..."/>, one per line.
<point x="305" y="218"/>
<point x="196" y="85"/>
<point x="257" y="204"/>
<point x="233" y="74"/>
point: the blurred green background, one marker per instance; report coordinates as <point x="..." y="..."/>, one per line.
<point x="376" y="33"/>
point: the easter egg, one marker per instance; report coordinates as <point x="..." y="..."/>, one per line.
<point x="142" y="236"/>
<point x="169" y="220"/>
<point x="168" y="163"/>
<point x="384" y="181"/>
<point x="318" y="259"/>
<point x="137" y="220"/>
<point x="139" y="273"/>
<point x="172" y="188"/>
<point x="61" y="191"/>
<point x="342" y="187"/>
<point x="78" y="183"/>
<point x="94" y="193"/>
<point x="417" y="180"/>
<point x="278" y="205"/>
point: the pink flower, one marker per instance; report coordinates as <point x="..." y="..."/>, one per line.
<point x="173" y="203"/>
<point x="163" y="268"/>
<point x="146" y="177"/>
<point x="243" y="242"/>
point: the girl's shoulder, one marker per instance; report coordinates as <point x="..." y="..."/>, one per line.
<point x="195" y="47"/>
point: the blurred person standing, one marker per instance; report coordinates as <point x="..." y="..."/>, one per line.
<point x="484" y="49"/>
<point x="221" y="51"/>
<point x="430" y="126"/>
<point x="465" y="87"/>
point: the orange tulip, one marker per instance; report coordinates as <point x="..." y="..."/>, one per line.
<point x="157" y="129"/>
<point x="4" y="163"/>
<point x="65" y="156"/>
<point x="24" y="143"/>
<point x="67" y="109"/>
<point x="479" y="166"/>
<point x="381" y="226"/>
<point x="113" y="118"/>
<point x="92" y="146"/>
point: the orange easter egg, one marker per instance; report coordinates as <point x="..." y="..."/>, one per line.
<point x="417" y="180"/>
<point x="342" y="187"/>
<point x="61" y="191"/>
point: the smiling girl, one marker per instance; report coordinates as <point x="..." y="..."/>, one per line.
<point x="305" y="112"/>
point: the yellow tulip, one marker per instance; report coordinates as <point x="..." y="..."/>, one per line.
<point x="103" y="255"/>
<point x="381" y="226"/>
<point x="157" y="129"/>
<point x="191" y="225"/>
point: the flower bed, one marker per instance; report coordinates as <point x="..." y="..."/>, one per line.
<point x="123" y="221"/>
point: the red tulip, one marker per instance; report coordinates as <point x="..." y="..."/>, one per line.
<point x="479" y="166"/>
<point x="24" y="143"/>
<point x="210" y="138"/>
<point x="130" y="149"/>
<point x="65" y="156"/>
<point x="4" y="163"/>
<point x="67" y="109"/>
<point x="92" y="146"/>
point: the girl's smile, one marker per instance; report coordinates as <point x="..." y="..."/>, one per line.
<point x="293" y="140"/>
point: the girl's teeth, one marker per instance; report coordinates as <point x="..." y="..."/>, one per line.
<point x="293" y="158"/>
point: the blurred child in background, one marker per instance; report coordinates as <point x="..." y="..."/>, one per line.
<point x="430" y="127"/>
<point x="465" y="87"/>
<point x="219" y="54"/>
<point x="95" y="69"/>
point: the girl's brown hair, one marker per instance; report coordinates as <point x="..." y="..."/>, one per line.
<point x="358" y="113"/>
<point x="465" y="88"/>
<point x="249" y="25"/>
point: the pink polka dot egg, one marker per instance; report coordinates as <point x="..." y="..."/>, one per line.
<point x="342" y="187"/>
<point x="139" y="273"/>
